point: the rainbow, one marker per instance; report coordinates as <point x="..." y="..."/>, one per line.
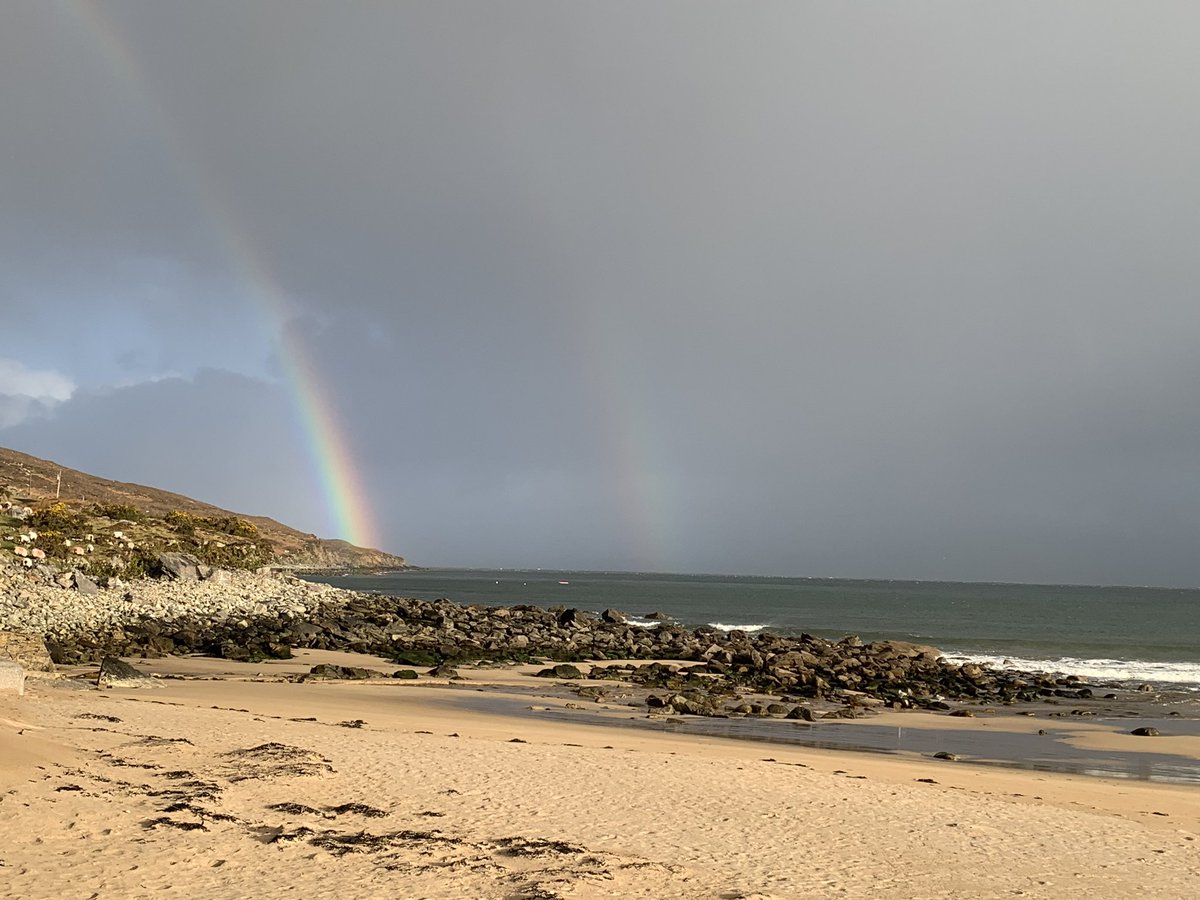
<point x="639" y="465"/>
<point x="329" y="450"/>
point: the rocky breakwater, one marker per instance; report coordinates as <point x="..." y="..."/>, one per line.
<point x="246" y="616"/>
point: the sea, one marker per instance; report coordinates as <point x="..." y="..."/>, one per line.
<point x="1120" y="634"/>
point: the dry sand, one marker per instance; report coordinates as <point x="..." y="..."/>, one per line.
<point x="169" y="792"/>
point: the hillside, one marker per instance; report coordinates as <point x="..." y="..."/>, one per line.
<point x="157" y="519"/>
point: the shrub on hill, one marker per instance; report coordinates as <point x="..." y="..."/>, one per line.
<point x="180" y="522"/>
<point x="239" y="555"/>
<point x="230" y="525"/>
<point x="118" y="511"/>
<point x="58" y="517"/>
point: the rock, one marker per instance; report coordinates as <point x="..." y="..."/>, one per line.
<point x="343" y="673"/>
<point x="404" y="673"/>
<point x="12" y="678"/>
<point x="180" y="566"/>
<point x="657" y="616"/>
<point x="846" y="712"/>
<point x="945" y="754"/>
<point x="613" y="617"/>
<point x="85" y="585"/>
<point x="1146" y="731"/>
<point x="59" y="654"/>
<point x="219" y="577"/>
<point x="115" y="673"/>
<point x="562" y="670"/>
<point x="573" y="618"/>
<point x="906" y="649"/>
<point x="232" y="650"/>
<point x="801" y="712"/>
<point x="445" y="670"/>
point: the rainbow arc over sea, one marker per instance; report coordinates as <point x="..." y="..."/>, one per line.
<point x="326" y="437"/>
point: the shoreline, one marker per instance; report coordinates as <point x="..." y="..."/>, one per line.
<point x="1091" y="738"/>
<point x="687" y="600"/>
<point x="479" y="802"/>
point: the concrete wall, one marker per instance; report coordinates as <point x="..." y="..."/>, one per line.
<point x="12" y="678"/>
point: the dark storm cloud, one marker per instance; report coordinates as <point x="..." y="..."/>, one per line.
<point x="886" y="289"/>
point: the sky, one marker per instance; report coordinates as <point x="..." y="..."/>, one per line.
<point x="812" y="289"/>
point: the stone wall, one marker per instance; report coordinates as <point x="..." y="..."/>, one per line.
<point x="25" y="649"/>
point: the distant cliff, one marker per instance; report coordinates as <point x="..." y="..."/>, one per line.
<point x="153" y="519"/>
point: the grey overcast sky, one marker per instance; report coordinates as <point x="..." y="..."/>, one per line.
<point x="875" y="289"/>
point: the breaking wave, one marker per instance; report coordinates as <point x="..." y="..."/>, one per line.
<point x="749" y="629"/>
<point x="1184" y="674"/>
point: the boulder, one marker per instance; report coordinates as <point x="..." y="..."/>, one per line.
<point x="613" y="617"/>
<point x="562" y="670"/>
<point x="906" y="649"/>
<point x="85" y="585"/>
<point x="344" y="673"/>
<point x="115" y="673"/>
<point x="180" y="566"/>
<point x="415" y="657"/>
<point x="801" y="712"/>
<point x="846" y="712"/>
<point x="572" y="618"/>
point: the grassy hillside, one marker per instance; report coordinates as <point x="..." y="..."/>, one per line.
<point x="126" y="524"/>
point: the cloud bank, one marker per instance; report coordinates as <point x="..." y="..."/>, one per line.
<point x="883" y="290"/>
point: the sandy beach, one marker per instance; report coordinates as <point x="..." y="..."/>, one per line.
<point x="226" y="780"/>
